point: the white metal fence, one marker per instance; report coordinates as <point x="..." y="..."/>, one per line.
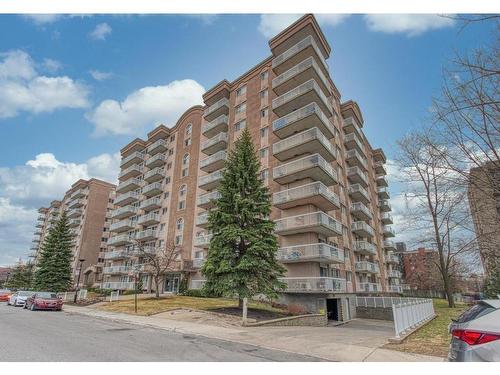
<point x="382" y="302"/>
<point x="410" y="315"/>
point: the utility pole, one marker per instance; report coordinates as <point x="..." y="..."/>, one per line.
<point x="78" y="281"/>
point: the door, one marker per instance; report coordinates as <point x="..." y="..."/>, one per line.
<point x="332" y="308"/>
<point x="172" y="283"/>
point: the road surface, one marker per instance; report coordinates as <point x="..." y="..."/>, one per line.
<point x="58" y="336"/>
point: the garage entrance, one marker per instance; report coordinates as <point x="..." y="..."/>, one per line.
<point x="332" y="308"/>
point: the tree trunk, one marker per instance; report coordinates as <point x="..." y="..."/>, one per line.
<point x="240" y="303"/>
<point x="157" y="287"/>
<point x="448" y="291"/>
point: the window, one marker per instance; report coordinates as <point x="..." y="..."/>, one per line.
<point x="198" y="254"/>
<point x="241" y="91"/>
<point x="162" y="226"/>
<point x="189" y="130"/>
<point x="171" y="151"/>
<point x="180" y="224"/>
<point x="241" y="108"/>
<point x="164" y="210"/>
<point x="185" y="172"/>
<point x="240" y="125"/>
<point x="264" y="112"/>
<point x="187" y="142"/>
<point x="178" y="240"/>
<point x="264" y="75"/>
<point x="263" y="132"/>
<point x="169" y="165"/>
<point x="263" y="94"/>
<point x="263" y="153"/>
<point x="185" y="159"/>
<point x="264" y="174"/>
<point x="167" y="180"/>
<point x="182" y="190"/>
<point x="182" y="205"/>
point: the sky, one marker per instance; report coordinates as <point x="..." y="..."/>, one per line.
<point x="74" y="89"/>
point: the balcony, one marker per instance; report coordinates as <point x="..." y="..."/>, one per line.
<point x="127" y="198"/>
<point x="360" y="211"/>
<point x="391" y="258"/>
<point x="221" y="107"/>
<point x="367" y="267"/>
<point x="311" y="166"/>
<point x="216" y="126"/>
<point x="213" y="162"/>
<point x="298" y="52"/>
<point x="202" y="241"/>
<point x="315" y="193"/>
<point x="121" y="239"/>
<point x="118" y="285"/>
<point x="150" y="204"/>
<point x="117" y="269"/>
<point x="395" y="288"/>
<point x="381" y="180"/>
<point x="207" y="200"/>
<point x="362" y="229"/>
<point x="384" y="205"/>
<point x="147" y="235"/>
<point x="394" y="274"/>
<point x="315" y="222"/>
<point x="388" y="231"/>
<point x="210" y="181"/>
<point x="116" y="254"/>
<point x="350" y="125"/>
<point x="307" y="117"/>
<point x="202" y="220"/>
<point x="41" y="218"/>
<point x="198" y="262"/>
<point x="129" y="185"/>
<point x="383" y="193"/>
<point x="79" y="193"/>
<point x="314" y="285"/>
<point x="389" y="245"/>
<point x="355" y="159"/>
<point x="123" y="212"/>
<point x="132" y="171"/>
<point x="36" y="239"/>
<point x="215" y="144"/>
<point x="152" y="189"/>
<point x="359" y="194"/>
<point x="75" y="213"/>
<point x="300" y="73"/>
<point x="156" y="161"/>
<point x="74" y="222"/>
<point x="149" y="219"/>
<point x="386" y="218"/>
<point x="352" y="142"/>
<point x="196" y="284"/>
<point x="160" y="145"/>
<point x="76" y="203"/>
<point x="357" y="176"/>
<point x="317" y="252"/>
<point x="304" y="94"/>
<point x="379" y="168"/>
<point x="365" y="248"/>
<point x="307" y="142"/>
<point x="39" y="224"/>
<point x="154" y="175"/>
<point x="134" y="158"/>
<point x="122" y="226"/>
<point x="369" y="287"/>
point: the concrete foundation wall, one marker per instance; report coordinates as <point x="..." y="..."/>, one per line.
<point x="313" y="320"/>
<point x="379" y="313"/>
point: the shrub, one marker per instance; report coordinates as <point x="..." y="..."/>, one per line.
<point x="198" y="293"/>
<point x="295" y="309"/>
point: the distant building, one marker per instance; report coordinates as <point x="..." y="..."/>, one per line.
<point x="420" y="269"/>
<point x="401" y="246"/>
<point x="4" y="275"/>
<point x="484" y="201"/>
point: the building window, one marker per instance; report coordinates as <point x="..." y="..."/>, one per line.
<point x="263" y="153"/>
<point x="264" y="112"/>
<point x="178" y="240"/>
<point x="241" y="91"/>
<point x="189" y="130"/>
<point x="169" y="165"/>
<point x="263" y="94"/>
<point x="263" y="132"/>
<point x="187" y="142"/>
<point x="182" y="205"/>
<point x="264" y="75"/>
<point x="185" y="172"/>
<point x="170" y="152"/>
<point x="240" y="125"/>
<point x="180" y="224"/>
<point x="162" y="226"/>
<point x="264" y="174"/>
<point x="182" y="190"/>
<point x="185" y="159"/>
<point x="167" y="180"/>
<point x="241" y="108"/>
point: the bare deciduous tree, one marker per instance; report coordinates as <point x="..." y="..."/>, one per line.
<point x="158" y="261"/>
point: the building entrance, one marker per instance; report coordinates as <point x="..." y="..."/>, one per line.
<point x="332" y="308"/>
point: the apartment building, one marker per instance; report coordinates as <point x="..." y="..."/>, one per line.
<point x="329" y="188"/>
<point x="484" y="201"/>
<point x="421" y="271"/>
<point x="88" y="204"/>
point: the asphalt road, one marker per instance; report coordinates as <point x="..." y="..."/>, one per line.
<point x="58" y="336"/>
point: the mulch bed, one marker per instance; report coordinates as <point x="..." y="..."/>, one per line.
<point x="256" y="314"/>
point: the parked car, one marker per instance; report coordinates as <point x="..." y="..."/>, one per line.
<point x="44" y="301"/>
<point x="5" y="295"/>
<point x="476" y="334"/>
<point x="19" y="298"/>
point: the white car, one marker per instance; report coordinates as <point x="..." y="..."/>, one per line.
<point x="19" y="298"/>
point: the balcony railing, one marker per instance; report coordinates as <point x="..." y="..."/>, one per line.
<point x="317" y="252"/>
<point x="198" y="262"/>
<point x="365" y="266"/>
<point x="381" y="180"/>
<point x="160" y="145"/>
<point x="213" y="162"/>
<point x="207" y="200"/>
<point x="365" y="247"/>
<point x="383" y="192"/>
<point x="122" y="225"/>
<point x="152" y="189"/>
<point x="218" y="125"/>
<point x="121" y="239"/>
<point x="297" y="70"/>
<point x="74" y="222"/>
<point x="353" y="157"/>
<point x="386" y="218"/>
<point x="148" y="219"/>
<point x="379" y="168"/>
<point x="352" y="141"/>
<point x="217" y="143"/>
<point x="148" y="234"/>
<point x="117" y="269"/>
<point x="210" y="181"/>
<point x="395" y="274"/>
<point x="76" y="212"/>
<point x="76" y="203"/>
<point x="156" y="161"/>
<point x="196" y="284"/>
<point x="357" y="176"/>
<point x="360" y="211"/>
<point x="134" y="158"/>
<point x="389" y="244"/>
<point x="359" y="193"/>
<point x="303" y="118"/>
<point x="395" y="288"/>
<point x="363" y="229"/>
<point x="202" y="241"/>
<point x="388" y="231"/>
<point x="202" y="219"/>
<point x="307" y="42"/>
<point x="116" y="254"/>
<point x="126" y="198"/>
<point x="308" y="141"/>
<point x="118" y="285"/>
<point x="316" y="193"/>
<point x="350" y="125"/>
<point x="318" y="222"/>
<point x="155" y="174"/>
<point x="214" y="108"/>
<point x="79" y="193"/>
<point x="392" y="258"/>
<point x="128" y="185"/>
<point x="369" y="287"/>
<point x="310" y="166"/>
<point x="133" y="170"/>
<point x="151" y="204"/>
<point x="384" y="205"/>
<point x="314" y="284"/>
<point x="123" y="212"/>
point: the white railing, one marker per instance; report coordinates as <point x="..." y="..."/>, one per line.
<point x="220" y="103"/>
<point x="301" y="113"/>
<point x="308" y="252"/>
<point x="311" y="219"/>
<point x="306" y="191"/>
<point x="302" y="138"/>
<point x="307" y="162"/>
<point x="299" y="68"/>
<point x="314" y="284"/>
<point x="410" y="315"/>
<point x="300" y="90"/>
<point x="221" y="137"/>
<point x="118" y="285"/>
<point x="222" y="119"/>
<point x="382" y="302"/>
<point x="296" y="48"/>
<point x="207" y="197"/>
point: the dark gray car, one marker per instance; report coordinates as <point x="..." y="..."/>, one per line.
<point x="476" y="334"/>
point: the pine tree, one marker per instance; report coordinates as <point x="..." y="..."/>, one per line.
<point x="241" y="258"/>
<point x="21" y="277"/>
<point x="53" y="271"/>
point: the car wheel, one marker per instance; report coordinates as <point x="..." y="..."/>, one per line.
<point x="32" y="307"/>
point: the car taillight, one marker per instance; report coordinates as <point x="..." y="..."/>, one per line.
<point x="474" y="337"/>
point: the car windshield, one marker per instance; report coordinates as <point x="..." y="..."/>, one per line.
<point x="4" y="291"/>
<point x="24" y="294"/>
<point x="46" y="295"/>
<point x="475" y="312"/>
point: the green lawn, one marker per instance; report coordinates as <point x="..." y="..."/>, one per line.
<point x="433" y="338"/>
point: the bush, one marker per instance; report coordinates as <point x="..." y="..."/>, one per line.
<point x="104" y="292"/>
<point x="129" y="292"/>
<point x="198" y="293"/>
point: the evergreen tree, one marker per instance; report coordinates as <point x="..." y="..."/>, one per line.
<point x="53" y="271"/>
<point x="21" y="277"/>
<point x="242" y="253"/>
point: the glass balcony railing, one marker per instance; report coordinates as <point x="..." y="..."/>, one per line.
<point x="202" y="219"/>
<point x="311" y="140"/>
<point x="122" y="225"/>
<point x="365" y="266"/>
<point x="307" y="42"/>
<point x="297" y="92"/>
<point x="207" y="199"/>
<point x="389" y="244"/>
<point x="394" y="274"/>
<point x="202" y="240"/>
<point x="118" y="285"/>
<point x="356" y="175"/>
<point x="213" y="162"/>
<point x="211" y="180"/>
<point x="134" y="158"/>
<point x="218" y="125"/>
<point x="388" y="231"/>
<point x="305" y="168"/>
<point x="160" y="145"/>
<point x="148" y="219"/>
<point x="116" y="254"/>
<point x="369" y="287"/>
<point x="133" y="170"/>
<point x="152" y="189"/>
<point x="384" y="205"/>
<point x="154" y="175"/>
<point x="317" y="252"/>
<point x="350" y="125"/>
<point x="311" y="222"/>
<point x="353" y="157"/>
<point x="121" y="239"/>
<point x="217" y="143"/>
<point x="303" y="118"/>
<point x="156" y="160"/>
<point x="148" y="234"/>
<point x="365" y="247"/>
<point x="358" y="193"/>
<point x="132" y="184"/>
<point x="126" y="198"/>
<point x="352" y="141"/>
<point x="295" y="71"/>
<point x="314" y="284"/>
<point x="360" y="210"/>
<point x="151" y="204"/>
<point x="363" y="229"/>
<point x="283" y="198"/>
<point x="224" y="102"/>
<point x="117" y="269"/>
<point x="124" y="212"/>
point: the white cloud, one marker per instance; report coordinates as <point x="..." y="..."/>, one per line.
<point x="146" y="107"/>
<point x="51" y="65"/>
<point x="410" y="24"/>
<point x="23" y="89"/>
<point x="206" y="19"/>
<point x="101" y="31"/>
<point x="25" y="188"/>
<point x="100" y="76"/>
<point x="42" y="19"/>
<point x="272" y="24"/>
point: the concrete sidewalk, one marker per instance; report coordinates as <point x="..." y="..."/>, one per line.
<point x="328" y="343"/>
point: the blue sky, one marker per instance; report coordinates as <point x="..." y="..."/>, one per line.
<point x="75" y="89"/>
